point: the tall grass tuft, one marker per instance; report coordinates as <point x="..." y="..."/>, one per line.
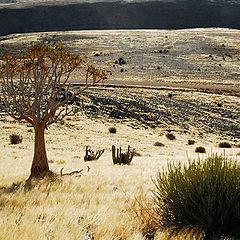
<point x="202" y="196"/>
<point x="142" y="211"/>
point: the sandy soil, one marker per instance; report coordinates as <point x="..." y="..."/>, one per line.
<point x="203" y="59"/>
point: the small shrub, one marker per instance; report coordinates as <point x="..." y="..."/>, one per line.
<point x="159" y="144"/>
<point x="191" y="142"/>
<point x="112" y="130"/>
<point x="202" y="196"/>
<point x="15" y="138"/>
<point x="170" y="95"/>
<point x="170" y="136"/>
<point x="200" y="150"/>
<point x="224" y="145"/>
<point x="142" y="210"/>
<point x="121" y="61"/>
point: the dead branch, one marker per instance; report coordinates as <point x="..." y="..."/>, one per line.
<point x="70" y="173"/>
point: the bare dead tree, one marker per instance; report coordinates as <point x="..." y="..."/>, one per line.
<point x="35" y="87"/>
<point x="91" y="155"/>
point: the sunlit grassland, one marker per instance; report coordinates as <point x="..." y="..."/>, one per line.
<point x="108" y="201"/>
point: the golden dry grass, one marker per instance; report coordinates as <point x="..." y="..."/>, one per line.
<point x="68" y="209"/>
<point x="108" y="202"/>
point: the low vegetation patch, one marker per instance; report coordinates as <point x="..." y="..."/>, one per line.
<point x="170" y="136"/>
<point x="202" y="197"/>
<point x="142" y="211"/>
<point x="224" y="145"/>
<point x="112" y="130"/>
<point x="15" y="138"/>
<point x="159" y="144"/>
<point x="191" y="142"/>
<point x="200" y="150"/>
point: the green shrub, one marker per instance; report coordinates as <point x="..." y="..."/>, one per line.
<point x="112" y="130"/>
<point x="15" y="138"/>
<point x="224" y="145"/>
<point x="170" y="136"/>
<point x="202" y="197"/>
<point x="200" y="150"/>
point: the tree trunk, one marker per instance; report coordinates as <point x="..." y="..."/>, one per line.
<point x="40" y="164"/>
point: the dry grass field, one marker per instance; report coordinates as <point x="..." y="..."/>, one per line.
<point x="108" y="201"/>
<point x="112" y="202"/>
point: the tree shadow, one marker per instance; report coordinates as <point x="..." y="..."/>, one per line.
<point x="29" y="184"/>
<point x="23" y="185"/>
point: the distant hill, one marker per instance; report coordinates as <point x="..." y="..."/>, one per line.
<point x="34" y="16"/>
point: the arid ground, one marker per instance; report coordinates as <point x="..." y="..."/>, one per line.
<point x="184" y="82"/>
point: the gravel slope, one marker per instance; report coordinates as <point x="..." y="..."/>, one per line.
<point x="196" y="113"/>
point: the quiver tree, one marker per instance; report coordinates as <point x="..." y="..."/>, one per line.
<point x="35" y="88"/>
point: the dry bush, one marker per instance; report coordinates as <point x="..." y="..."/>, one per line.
<point x="224" y="145"/>
<point x="191" y="142"/>
<point x="142" y="210"/>
<point x="170" y="136"/>
<point x="200" y="150"/>
<point x="15" y="138"/>
<point x="112" y="130"/>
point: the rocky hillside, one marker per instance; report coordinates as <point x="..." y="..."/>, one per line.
<point x="34" y="16"/>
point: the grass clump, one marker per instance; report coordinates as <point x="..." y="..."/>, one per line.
<point x="112" y="130"/>
<point x="202" y="197"/>
<point x="142" y="211"/>
<point x="200" y="150"/>
<point x="15" y="138"/>
<point x="224" y="145"/>
<point x="170" y="136"/>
